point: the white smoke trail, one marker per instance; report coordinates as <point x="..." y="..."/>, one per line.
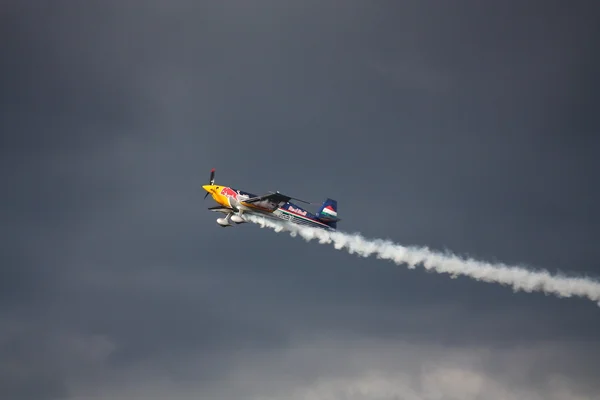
<point x="520" y="279"/>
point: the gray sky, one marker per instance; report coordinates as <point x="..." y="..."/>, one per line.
<point x="461" y="125"/>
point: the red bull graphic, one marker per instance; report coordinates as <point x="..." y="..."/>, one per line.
<point x="226" y="191"/>
<point x="297" y="210"/>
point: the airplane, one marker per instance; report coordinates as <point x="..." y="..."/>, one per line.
<point x="237" y="203"/>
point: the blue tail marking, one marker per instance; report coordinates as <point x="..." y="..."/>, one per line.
<point x="328" y="213"/>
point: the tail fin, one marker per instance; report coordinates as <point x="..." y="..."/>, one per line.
<point x="328" y="213"/>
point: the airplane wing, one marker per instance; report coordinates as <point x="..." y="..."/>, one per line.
<point x="267" y="202"/>
<point x="222" y="209"/>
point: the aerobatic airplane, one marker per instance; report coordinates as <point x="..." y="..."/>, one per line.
<point x="236" y="203"/>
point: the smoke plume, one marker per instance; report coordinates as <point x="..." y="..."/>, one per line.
<point x="519" y="278"/>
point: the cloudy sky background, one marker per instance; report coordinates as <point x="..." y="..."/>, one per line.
<point x="461" y="125"/>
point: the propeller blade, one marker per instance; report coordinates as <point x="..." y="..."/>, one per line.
<point x="206" y="195"/>
<point x="212" y="176"/>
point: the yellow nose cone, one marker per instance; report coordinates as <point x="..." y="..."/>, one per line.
<point x="207" y="187"/>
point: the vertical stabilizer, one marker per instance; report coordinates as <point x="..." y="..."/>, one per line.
<point x="328" y="213"/>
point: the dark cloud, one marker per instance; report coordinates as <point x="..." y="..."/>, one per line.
<point x="468" y="126"/>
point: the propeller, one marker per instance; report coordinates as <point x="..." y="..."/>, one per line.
<point x="211" y="181"/>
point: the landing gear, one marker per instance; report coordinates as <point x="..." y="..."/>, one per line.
<point x="231" y="217"/>
<point x="224" y="222"/>
<point x="238" y="218"/>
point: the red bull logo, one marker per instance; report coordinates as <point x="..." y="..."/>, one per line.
<point x="226" y="191"/>
<point x="297" y="211"/>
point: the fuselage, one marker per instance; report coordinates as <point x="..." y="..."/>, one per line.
<point x="233" y="200"/>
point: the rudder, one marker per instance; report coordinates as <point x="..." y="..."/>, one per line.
<point x="328" y="213"/>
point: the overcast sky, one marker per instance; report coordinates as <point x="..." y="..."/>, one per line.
<point x="466" y="125"/>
